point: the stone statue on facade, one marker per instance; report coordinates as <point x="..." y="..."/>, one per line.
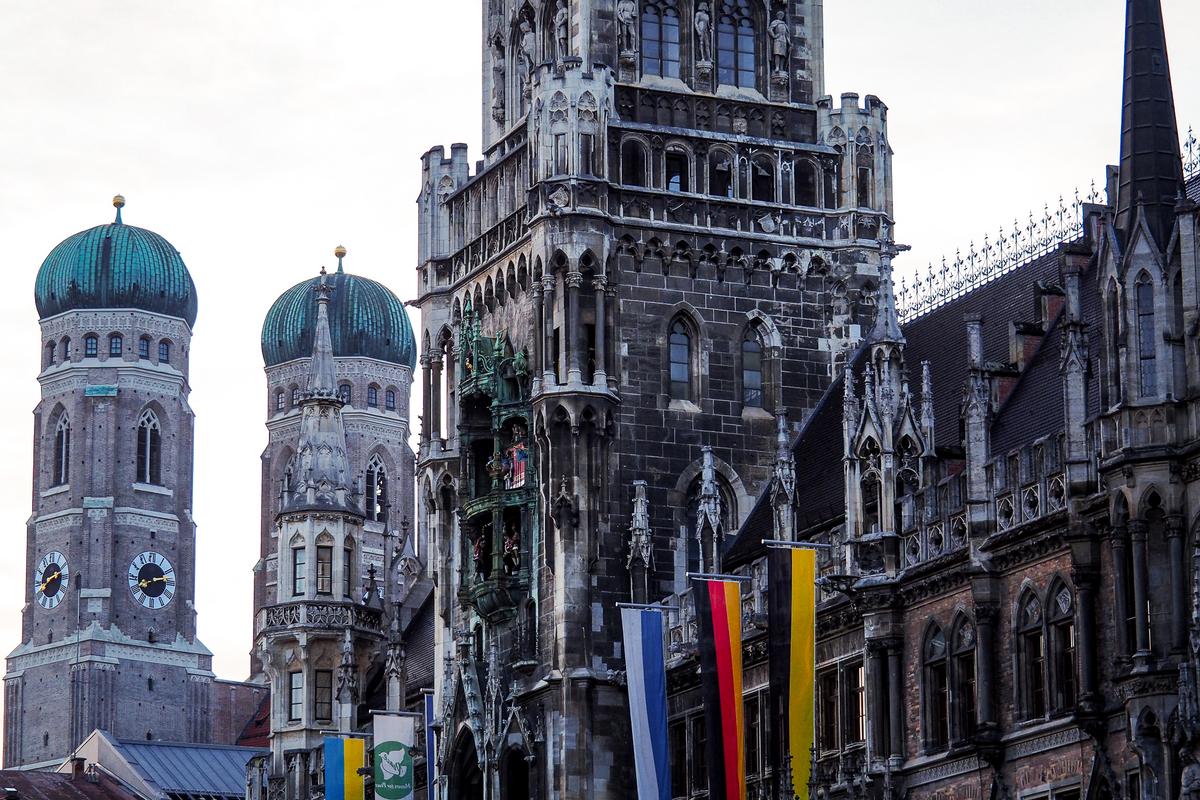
<point x="781" y="42"/>
<point x="627" y="20"/>
<point x="562" y="32"/>
<point x="703" y="25"/>
<point x="528" y="47"/>
<point x="498" y="76"/>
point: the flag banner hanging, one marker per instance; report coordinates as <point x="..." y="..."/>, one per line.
<point x="394" y="769"/>
<point x="791" y="610"/>
<point x="430" y="745"/>
<point x="719" y="612"/>
<point x="646" y="672"/>
<point x="343" y="758"/>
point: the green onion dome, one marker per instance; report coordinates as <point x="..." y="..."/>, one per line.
<point x="115" y="266"/>
<point x="365" y="319"/>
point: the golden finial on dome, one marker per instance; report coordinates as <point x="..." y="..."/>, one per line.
<point x="118" y="204"/>
<point x="340" y="252"/>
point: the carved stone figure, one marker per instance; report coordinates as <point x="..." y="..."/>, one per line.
<point x="781" y="42"/>
<point x="562" y="19"/>
<point x="528" y="48"/>
<point x="498" y="75"/>
<point x="703" y="24"/>
<point x="627" y="34"/>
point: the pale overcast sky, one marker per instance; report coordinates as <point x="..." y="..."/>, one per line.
<point x="257" y="136"/>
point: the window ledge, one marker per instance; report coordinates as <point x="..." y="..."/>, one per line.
<point x="756" y="413"/>
<point x="60" y="489"/>
<point x="150" y="488"/>
<point x="684" y="405"/>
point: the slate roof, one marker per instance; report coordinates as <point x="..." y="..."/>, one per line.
<point x="55" y="786"/>
<point x="190" y="771"/>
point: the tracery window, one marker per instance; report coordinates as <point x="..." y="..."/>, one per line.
<point x="1147" y="346"/>
<point x="62" y="451"/>
<point x="937" y="691"/>
<point x="660" y="38"/>
<point x="149" y="449"/>
<point x="752" y="371"/>
<point x="377" y="497"/>
<point x="1031" y="657"/>
<point x="736" y="44"/>
<point x="1062" y="648"/>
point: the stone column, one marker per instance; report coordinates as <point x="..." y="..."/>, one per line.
<point x="1179" y="588"/>
<point x="536" y="366"/>
<point x="986" y="617"/>
<point x="876" y="697"/>
<point x="895" y="655"/>
<point x="1141" y="587"/>
<point x="435" y="396"/>
<point x="549" y="365"/>
<point x="426" y="402"/>
<point x="600" y="378"/>
<point x="1085" y="581"/>
<point x="1120" y="545"/>
<point x="574" y="332"/>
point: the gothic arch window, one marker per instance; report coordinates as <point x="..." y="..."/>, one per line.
<point x="720" y="173"/>
<point x="62" y="451"/>
<point x="681" y="343"/>
<point x="753" y="382"/>
<point x="91" y="346"/>
<point x="762" y="179"/>
<point x="164" y="352"/>
<point x="116" y="345"/>
<point x="963" y="663"/>
<point x="633" y="163"/>
<point x="807" y="186"/>
<point x="49" y="354"/>
<point x="936" y="668"/>
<point x="377" y="490"/>
<point x="677" y="165"/>
<point x="864" y="163"/>
<point x="389" y="400"/>
<point x="372" y="396"/>
<point x="149" y="449"/>
<point x="65" y="354"/>
<point x="280" y="400"/>
<point x="1031" y="657"/>
<point x="660" y="38"/>
<point x="345" y="393"/>
<point x="295" y="398"/>
<point x="736" y="44"/>
<point x="1147" y="346"/>
<point x="1061" y="625"/>
<point x="144" y="348"/>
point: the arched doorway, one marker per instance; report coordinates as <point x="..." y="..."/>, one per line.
<point x="514" y="776"/>
<point x="466" y="781"/>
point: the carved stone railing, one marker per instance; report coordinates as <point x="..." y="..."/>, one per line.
<point x="315" y="614"/>
<point x="1009" y="249"/>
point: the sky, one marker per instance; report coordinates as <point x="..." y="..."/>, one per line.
<point x="258" y="136"/>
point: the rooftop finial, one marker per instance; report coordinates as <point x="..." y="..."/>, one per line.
<point x="118" y="204"/>
<point x="340" y="252"/>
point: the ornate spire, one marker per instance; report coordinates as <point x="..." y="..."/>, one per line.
<point x="1151" y="175"/>
<point x="641" y="551"/>
<point x="118" y="204"/>
<point x="887" y="319"/>
<point x="321" y="377"/>
<point x="785" y="465"/>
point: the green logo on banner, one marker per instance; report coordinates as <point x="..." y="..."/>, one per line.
<point x="393" y="771"/>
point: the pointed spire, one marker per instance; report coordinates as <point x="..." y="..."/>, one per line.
<point x="321" y="376"/>
<point x="118" y="204"/>
<point x="1151" y="173"/>
<point x="887" y="319"/>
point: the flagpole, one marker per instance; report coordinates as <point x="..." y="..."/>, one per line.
<point x="648" y="606"/>
<point x="779" y="544"/>
<point x="709" y="576"/>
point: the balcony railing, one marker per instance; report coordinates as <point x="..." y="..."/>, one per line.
<point x="318" y="614"/>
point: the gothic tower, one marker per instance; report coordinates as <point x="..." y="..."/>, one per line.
<point x="337" y="483"/>
<point x="672" y="237"/>
<point x="108" y="635"/>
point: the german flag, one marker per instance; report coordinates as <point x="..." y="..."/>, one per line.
<point x="719" y="612"/>
<point x="792" y="572"/>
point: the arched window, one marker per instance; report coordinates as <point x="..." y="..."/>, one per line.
<point x="865" y="163"/>
<point x="752" y="371"/>
<point x="805" y="175"/>
<point x="116" y="345"/>
<point x="149" y="449"/>
<point x="633" y="163"/>
<point x="964" y="679"/>
<point x="680" y="345"/>
<point x="736" y="52"/>
<point x="720" y="174"/>
<point x="1147" y="346"/>
<point x="299" y="567"/>
<point x="1062" y="648"/>
<point x="660" y="38"/>
<point x="372" y="396"/>
<point x="164" y="352"/>
<point x="65" y="353"/>
<point x="50" y="354"/>
<point x="377" y="497"/>
<point x="389" y="400"/>
<point x="62" y="451"/>
<point x="677" y="171"/>
<point x="762" y="179"/>
<point x="345" y="393"/>
<point x="280" y="400"/>
<point x="91" y="346"/>
<point x="937" y="691"/>
<point x="1031" y="644"/>
<point x="833" y="182"/>
<point x="295" y="396"/>
<point x="144" y="347"/>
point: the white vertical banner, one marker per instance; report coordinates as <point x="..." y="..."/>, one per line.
<point x="394" y="772"/>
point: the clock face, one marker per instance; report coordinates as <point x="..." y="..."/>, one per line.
<point x="152" y="579"/>
<point x="51" y="579"/>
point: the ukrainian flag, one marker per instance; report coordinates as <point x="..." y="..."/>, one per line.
<point x="343" y="757"/>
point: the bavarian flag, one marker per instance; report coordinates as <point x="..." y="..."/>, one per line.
<point x="719" y="612"/>
<point x="791" y="601"/>
<point x="343" y="757"/>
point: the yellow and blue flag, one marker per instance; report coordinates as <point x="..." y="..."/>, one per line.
<point x="343" y="758"/>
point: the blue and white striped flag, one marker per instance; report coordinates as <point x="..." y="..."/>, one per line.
<point x="646" y="671"/>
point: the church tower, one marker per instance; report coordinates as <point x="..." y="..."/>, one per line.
<point x="108" y="634"/>
<point x="672" y="237"/>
